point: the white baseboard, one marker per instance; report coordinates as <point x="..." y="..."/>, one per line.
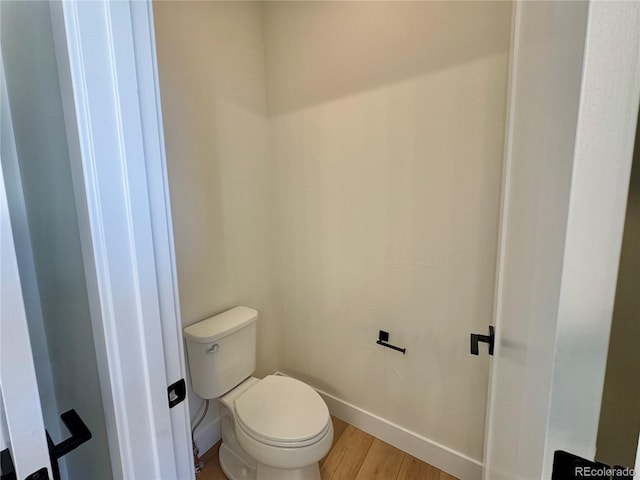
<point x="207" y="434"/>
<point x="433" y="453"/>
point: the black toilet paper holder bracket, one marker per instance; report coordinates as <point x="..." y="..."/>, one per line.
<point x="383" y="338"/>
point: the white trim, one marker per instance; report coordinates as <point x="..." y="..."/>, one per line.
<point x="502" y="228"/>
<point x="26" y="264"/>
<point x="603" y="153"/>
<point x="114" y="149"/>
<point x="558" y="352"/>
<point x="19" y="393"/>
<point x="19" y="390"/>
<point x="66" y="47"/>
<point x="427" y="450"/>
<point x="162" y="226"/>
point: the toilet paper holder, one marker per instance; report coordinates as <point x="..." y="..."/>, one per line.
<point x="383" y="338"/>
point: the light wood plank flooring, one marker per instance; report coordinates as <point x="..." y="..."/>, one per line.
<point x="354" y="455"/>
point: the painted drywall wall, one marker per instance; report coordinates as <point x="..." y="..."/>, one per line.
<point x="365" y="196"/>
<point x="620" y="416"/>
<point x="212" y="83"/>
<point x="40" y="141"/>
<point x="386" y="137"/>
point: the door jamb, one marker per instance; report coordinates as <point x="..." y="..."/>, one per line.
<point x="106" y="62"/>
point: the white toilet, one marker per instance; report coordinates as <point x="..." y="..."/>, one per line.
<point x="275" y="428"/>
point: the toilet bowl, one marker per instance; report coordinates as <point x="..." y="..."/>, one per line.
<point x="277" y="428"/>
<point x="280" y="423"/>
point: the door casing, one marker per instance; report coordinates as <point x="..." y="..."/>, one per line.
<point x="552" y="328"/>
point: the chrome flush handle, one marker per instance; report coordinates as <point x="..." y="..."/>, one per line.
<point x="213" y="348"/>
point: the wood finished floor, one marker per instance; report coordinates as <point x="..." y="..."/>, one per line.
<point x="354" y="455"/>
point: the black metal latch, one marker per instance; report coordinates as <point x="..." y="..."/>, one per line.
<point x="475" y="338"/>
<point x="176" y="392"/>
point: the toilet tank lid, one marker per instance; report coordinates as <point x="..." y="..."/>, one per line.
<point x="219" y="326"/>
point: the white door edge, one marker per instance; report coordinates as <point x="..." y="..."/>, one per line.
<point x="162" y="226"/>
<point x="603" y="154"/>
<point x="104" y="50"/>
<point x="602" y="159"/>
<point x="502" y="230"/>
<point x="22" y="427"/>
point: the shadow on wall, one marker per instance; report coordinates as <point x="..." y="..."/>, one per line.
<point x="377" y="52"/>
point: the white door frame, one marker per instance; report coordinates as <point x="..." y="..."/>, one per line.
<point x="21" y="423"/>
<point x="106" y="61"/>
<point x="568" y="384"/>
<point x="22" y="426"/>
<point x="603" y="155"/>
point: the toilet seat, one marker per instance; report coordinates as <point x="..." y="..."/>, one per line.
<point x="282" y="412"/>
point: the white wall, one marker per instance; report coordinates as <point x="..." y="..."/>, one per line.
<point x="40" y="140"/>
<point x="350" y="184"/>
<point x="620" y="417"/>
<point x="212" y="82"/>
<point x="386" y="136"/>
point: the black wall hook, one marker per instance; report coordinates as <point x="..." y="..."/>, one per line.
<point x="383" y="338"/>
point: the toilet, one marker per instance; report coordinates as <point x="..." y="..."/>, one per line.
<point x="276" y="428"/>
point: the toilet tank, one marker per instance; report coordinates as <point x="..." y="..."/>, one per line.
<point x="222" y="351"/>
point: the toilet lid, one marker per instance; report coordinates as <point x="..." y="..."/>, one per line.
<point x="282" y="410"/>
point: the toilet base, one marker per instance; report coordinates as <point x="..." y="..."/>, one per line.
<point x="239" y="463"/>
<point x="312" y="472"/>
<point x="235" y="467"/>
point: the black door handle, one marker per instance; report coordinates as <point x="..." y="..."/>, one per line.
<point x="79" y="435"/>
<point x="8" y="471"/>
<point x="475" y="338"/>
